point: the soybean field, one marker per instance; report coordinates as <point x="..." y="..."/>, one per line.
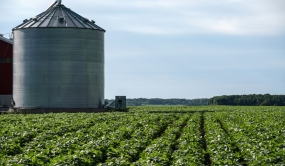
<point x="145" y="136"/>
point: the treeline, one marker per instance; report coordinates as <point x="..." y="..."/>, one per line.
<point x="158" y="101"/>
<point x="249" y="100"/>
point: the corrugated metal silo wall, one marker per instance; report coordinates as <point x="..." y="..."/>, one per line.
<point x="58" y="68"/>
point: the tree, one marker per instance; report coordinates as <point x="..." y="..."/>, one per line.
<point x="265" y="103"/>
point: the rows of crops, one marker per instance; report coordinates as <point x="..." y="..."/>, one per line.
<point x="147" y="136"/>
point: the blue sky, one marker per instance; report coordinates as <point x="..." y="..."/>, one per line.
<point x="181" y="49"/>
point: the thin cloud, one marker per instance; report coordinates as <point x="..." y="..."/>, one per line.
<point x="181" y="17"/>
<point x="167" y="17"/>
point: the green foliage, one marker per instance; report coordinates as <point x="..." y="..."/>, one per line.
<point x="249" y="100"/>
<point x="265" y="103"/>
<point x="170" y="135"/>
<point x="158" y="101"/>
<point x="258" y="134"/>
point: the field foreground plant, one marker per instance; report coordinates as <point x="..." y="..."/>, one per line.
<point x="172" y="135"/>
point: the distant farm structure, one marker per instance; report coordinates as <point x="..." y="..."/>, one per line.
<point x="6" y="72"/>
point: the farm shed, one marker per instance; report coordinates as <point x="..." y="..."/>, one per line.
<point x="58" y="63"/>
<point x="6" y="72"/>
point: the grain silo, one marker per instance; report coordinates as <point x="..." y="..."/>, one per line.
<point x="58" y="62"/>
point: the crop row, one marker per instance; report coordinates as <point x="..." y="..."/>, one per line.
<point x="259" y="135"/>
<point x="101" y="139"/>
<point x="86" y="141"/>
<point x="146" y="136"/>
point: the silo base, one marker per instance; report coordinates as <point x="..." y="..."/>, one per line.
<point x="58" y="110"/>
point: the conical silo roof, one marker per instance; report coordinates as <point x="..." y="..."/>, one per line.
<point x="59" y="16"/>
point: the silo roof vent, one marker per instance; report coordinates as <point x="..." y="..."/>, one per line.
<point x="61" y="18"/>
<point x="55" y="15"/>
<point x="86" y="20"/>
